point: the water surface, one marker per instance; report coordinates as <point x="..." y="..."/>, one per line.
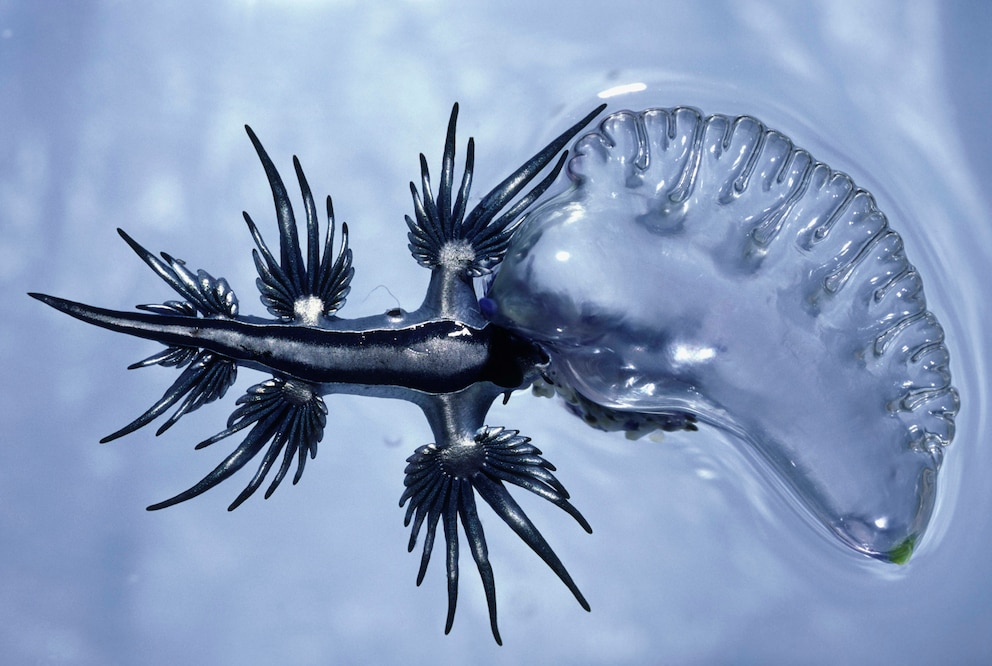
<point x="122" y="115"/>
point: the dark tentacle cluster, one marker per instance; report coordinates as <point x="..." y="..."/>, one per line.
<point x="441" y="482"/>
<point x="291" y="289"/>
<point x="207" y="376"/>
<point x="480" y="238"/>
<point x="204" y="294"/>
<point x="634" y="424"/>
<point x="286" y="415"/>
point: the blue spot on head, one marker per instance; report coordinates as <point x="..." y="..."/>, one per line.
<point x="488" y="307"/>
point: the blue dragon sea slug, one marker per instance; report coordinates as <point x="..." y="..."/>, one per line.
<point x="697" y="268"/>
<point x="444" y="357"/>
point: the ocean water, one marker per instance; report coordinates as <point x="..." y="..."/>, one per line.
<point x="119" y="115"/>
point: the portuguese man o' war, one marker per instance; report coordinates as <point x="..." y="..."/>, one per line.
<point x="696" y="270"/>
<point x="707" y="265"/>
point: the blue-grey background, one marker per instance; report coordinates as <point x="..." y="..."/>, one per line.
<point x="130" y="114"/>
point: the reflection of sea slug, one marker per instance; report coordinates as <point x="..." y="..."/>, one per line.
<point x="707" y="265"/>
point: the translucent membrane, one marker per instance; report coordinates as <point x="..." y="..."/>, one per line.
<point x="706" y="264"/>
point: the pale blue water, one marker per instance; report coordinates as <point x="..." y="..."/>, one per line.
<point x="119" y="115"/>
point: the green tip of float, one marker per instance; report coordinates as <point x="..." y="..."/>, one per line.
<point x="901" y="553"/>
